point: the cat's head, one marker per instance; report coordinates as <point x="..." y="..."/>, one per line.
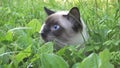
<point x="62" y="26"/>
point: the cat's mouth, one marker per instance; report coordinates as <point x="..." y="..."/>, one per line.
<point x="53" y="39"/>
<point x="47" y="38"/>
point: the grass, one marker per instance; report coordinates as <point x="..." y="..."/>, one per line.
<point x="21" y="45"/>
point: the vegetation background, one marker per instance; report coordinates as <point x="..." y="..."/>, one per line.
<point x="22" y="47"/>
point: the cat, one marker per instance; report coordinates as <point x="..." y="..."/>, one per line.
<point x="64" y="28"/>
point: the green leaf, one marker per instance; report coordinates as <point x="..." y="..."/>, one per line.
<point x="23" y="54"/>
<point x="52" y="61"/>
<point x="35" y="26"/>
<point x="2" y="49"/>
<point x="46" y="48"/>
<point x="9" y="36"/>
<point x="35" y="57"/>
<point x="105" y="58"/>
<point x="91" y="61"/>
<point x="61" y="51"/>
<point x="96" y="61"/>
<point x="76" y="65"/>
<point x="2" y="35"/>
<point x="24" y="41"/>
<point x="105" y="55"/>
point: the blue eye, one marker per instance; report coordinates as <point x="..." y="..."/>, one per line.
<point x="55" y="27"/>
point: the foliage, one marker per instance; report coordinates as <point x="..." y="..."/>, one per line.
<point x="115" y="58"/>
<point x="95" y="61"/>
<point x="21" y="45"/>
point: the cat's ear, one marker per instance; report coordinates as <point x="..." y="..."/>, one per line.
<point x="74" y="17"/>
<point x="74" y="12"/>
<point x="48" y="11"/>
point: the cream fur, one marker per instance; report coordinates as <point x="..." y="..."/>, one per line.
<point x="73" y="38"/>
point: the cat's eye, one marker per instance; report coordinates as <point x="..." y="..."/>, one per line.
<point x="55" y="27"/>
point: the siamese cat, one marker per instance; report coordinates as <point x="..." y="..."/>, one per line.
<point x="64" y="28"/>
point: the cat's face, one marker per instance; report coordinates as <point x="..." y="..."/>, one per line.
<point x="61" y="27"/>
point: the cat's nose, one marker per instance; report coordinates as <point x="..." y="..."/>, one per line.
<point x="43" y="35"/>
